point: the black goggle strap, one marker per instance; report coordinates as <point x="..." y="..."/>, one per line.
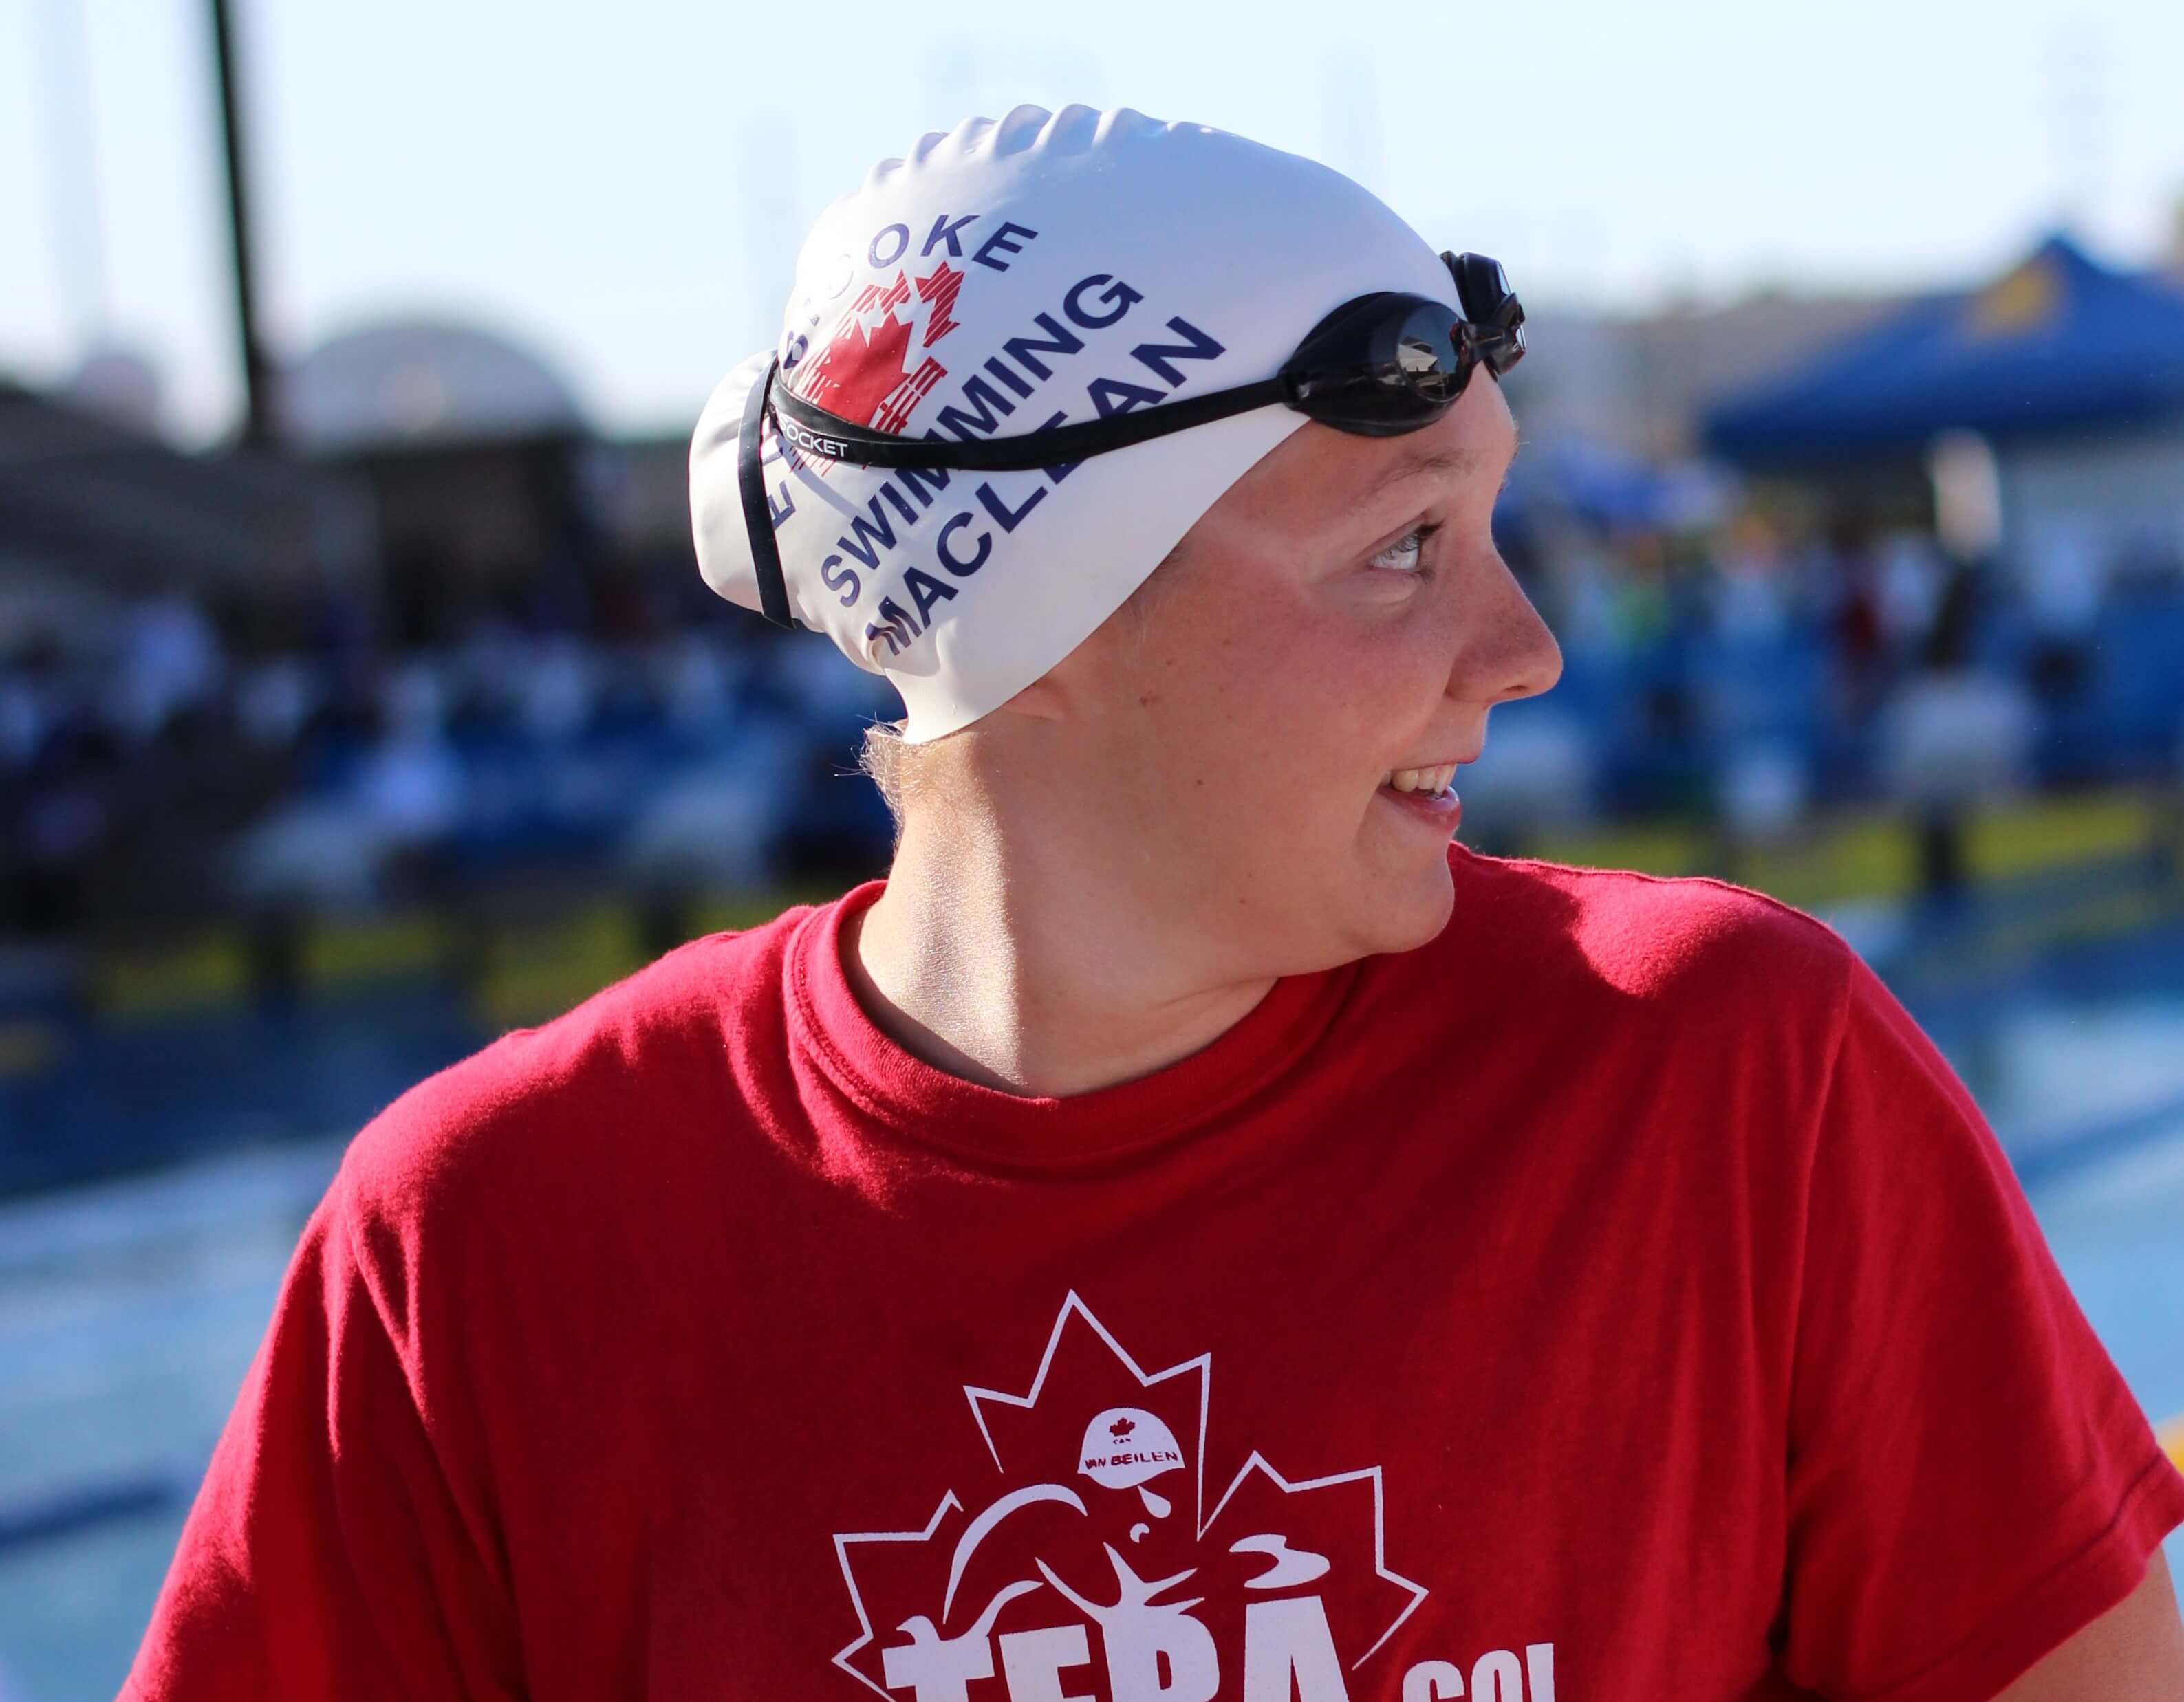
<point x="758" y="512"/>
<point x="816" y="432"/>
<point x="1490" y="309"/>
<point x="1492" y="330"/>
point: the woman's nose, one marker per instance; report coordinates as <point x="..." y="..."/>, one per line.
<point x="1513" y="654"/>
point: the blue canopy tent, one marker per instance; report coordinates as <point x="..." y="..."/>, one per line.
<point x="2058" y="344"/>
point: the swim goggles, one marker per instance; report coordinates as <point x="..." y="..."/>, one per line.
<point x="1378" y="366"/>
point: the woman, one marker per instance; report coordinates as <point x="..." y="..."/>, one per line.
<point x="1192" y="1231"/>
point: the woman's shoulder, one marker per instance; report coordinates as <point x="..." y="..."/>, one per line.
<point x="630" y="1070"/>
<point x="1646" y="938"/>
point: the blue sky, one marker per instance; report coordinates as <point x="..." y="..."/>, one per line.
<point x="624" y="188"/>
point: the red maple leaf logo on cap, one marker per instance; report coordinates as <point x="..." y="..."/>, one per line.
<point x="864" y="373"/>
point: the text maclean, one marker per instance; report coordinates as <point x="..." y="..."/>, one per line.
<point x="961" y="541"/>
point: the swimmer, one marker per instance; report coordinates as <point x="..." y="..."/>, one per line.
<point x="1571" y="1282"/>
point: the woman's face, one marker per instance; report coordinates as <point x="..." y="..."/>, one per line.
<point x="1341" y="613"/>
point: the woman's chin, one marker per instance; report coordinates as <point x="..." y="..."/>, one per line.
<point x="1407" y="910"/>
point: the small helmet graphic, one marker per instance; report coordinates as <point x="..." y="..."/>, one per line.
<point x="1126" y="1446"/>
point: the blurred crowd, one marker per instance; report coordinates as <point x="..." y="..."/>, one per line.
<point x="1749" y="676"/>
<point x="171" y="757"/>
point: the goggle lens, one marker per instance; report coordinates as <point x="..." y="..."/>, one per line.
<point x="1427" y="355"/>
<point x="1388" y="363"/>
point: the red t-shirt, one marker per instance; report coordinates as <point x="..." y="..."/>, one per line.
<point x="1617" y="1297"/>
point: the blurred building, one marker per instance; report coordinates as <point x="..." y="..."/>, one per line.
<point x="1642" y="385"/>
<point x="2069" y="372"/>
<point x="1635" y="392"/>
<point x="2070" y="375"/>
<point x="96" y="508"/>
<point x="473" y="449"/>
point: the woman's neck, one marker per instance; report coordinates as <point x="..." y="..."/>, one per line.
<point x="1031" y="962"/>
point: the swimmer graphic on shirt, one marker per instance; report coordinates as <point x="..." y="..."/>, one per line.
<point x="1109" y="1568"/>
<point x="1155" y="1649"/>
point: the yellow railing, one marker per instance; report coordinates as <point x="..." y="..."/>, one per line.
<point x="1866" y="853"/>
<point x="524" y="968"/>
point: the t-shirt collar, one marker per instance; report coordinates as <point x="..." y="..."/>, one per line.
<point x="933" y="1107"/>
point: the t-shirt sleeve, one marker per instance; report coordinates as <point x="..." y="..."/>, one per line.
<point x="1970" y="1482"/>
<point x="328" y="1553"/>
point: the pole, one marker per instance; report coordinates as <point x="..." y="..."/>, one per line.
<point x="258" y="428"/>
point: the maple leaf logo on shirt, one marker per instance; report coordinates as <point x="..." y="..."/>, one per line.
<point x="1093" y="1547"/>
<point x="864" y="373"/>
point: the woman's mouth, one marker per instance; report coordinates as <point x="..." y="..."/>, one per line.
<point x="1425" y="780"/>
<point x="1425" y="793"/>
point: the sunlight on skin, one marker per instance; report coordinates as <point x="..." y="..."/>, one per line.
<point x="2133" y="1653"/>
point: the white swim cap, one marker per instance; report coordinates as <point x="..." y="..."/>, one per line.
<point x="1004" y="278"/>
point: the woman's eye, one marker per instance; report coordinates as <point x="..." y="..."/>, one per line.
<point x="1406" y="551"/>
